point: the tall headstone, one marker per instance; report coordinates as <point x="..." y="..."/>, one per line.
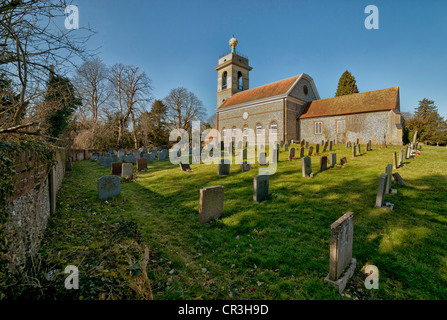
<point x="291" y="153"/>
<point x="332" y="159"/>
<point x="141" y="164"/>
<point x="381" y="191"/>
<point x="260" y="187"/>
<point x="301" y="152"/>
<point x="353" y="151"/>
<point x="126" y="170"/>
<point x="341" y="263"/>
<point x="262" y="159"/>
<point x="407" y="152"/>
<point x="211" y="203"/>
<point x="223" y="169"/>
<point x="306" y="166"/>
<point x="395" y="165"/>
<point x="306" y="144"/>
<point x="401" y="157"/>
<point x="330" y="145"/>
<point x="317" y="148"/>
<point x="359" y="150"/>
<point x="388" y="172"/>
<point x="323" y="163"/>
<point x="415" y="136"/>
<point x="311" y="151"/>
<point x="108" y="187"/>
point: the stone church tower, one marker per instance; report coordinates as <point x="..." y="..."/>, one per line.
<point x="232" y="74"/>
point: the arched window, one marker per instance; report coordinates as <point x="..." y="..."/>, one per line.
<point x="245" y="130"/>
<point x="224" y="80"/>
<point x="240" y="80"/>
<point x="274" y="127"/>
<point x="258" y="129"/>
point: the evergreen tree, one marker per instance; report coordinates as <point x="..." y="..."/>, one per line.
<point x="346" y="85"/>
<point x="59" y="104"/>
<point x="158" y="133"/>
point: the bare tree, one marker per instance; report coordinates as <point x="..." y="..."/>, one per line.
<point x="183" y="107"/>
<point x="91" y="82"/>
<point x="31" y="41"/>
<point x="131" y="89"/>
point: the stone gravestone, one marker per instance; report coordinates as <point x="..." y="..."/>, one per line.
<point x="323" y="163"/>
<point x="347" y="144"/>
<point x="116" y="168"/>
<point x="211" y="203"/>
<point x="380" y="198"/>
<point x="407" y="152"/>
<point x="302" y="143"/>
<point x="108" y="187"/>
<point x="341" y="263"/>
<point x="317" y="148"/>
<point x="306" y="166"/>
<point x="353" y="151"/>
<point x="325" y="146"/>
<point x="162" y="155"/>
<point x="291" y="153"/>
<point x="415" y="136"/>
<point x="141" y="164"/>
<point x="398" y="179"/>
<point x="245" y="166"/>
<point x="185" y="167"/>
<point x="130" y="159"/>
<point x="343" y="161"/>
<point x="286" y="147"/>
<point x="330" y="145"/>
<point x="107" y="162"/>
<point x="262" y="159"/>
<point x="388" y="172"/>
<point x="223" y="169"/>
<point x="126" y="170"/>
<point x="306" y="144"/>
<point x="311" y="151"/>
<point x="359" y="151"/>
<point x="121" y="153"/>
<point x="401" y="157"/>
<point x="332" y="159"/>
<point x="260" y="188"/>
<point x="301" y="152"/>
<point x="395" y="166"/>
<point x="101" y="160"/>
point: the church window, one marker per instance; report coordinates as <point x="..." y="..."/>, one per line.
<point x="224" y="80"/>
<point x="274" y="127"/>
<point x="341" y="126"/>
<point x="306" y="90"/>
<point x="318" y="127"/>
<point x="258" y="128"/>
<point x="240" y="80"/>
<point x="245" y="130"/>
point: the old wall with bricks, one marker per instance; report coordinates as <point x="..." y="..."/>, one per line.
<point x="29" y="206"/>
<point x="379" y="127"/>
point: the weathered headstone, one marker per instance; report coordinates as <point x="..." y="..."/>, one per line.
<point x="317" y="148"/>
<point x="395" y="165"/>
<point x="347" y="144"/>
<point x="306" y="166"/>
<point x="286" y="147"/>
<point x="101" y="160"/>
<point x="415" y="136"/>
<point x="245" y="166"/>
<point x="311" y="151"/>
<point x="401" y="158"/>
<point x="306" y="144"/>
<point x="343" y="161"/>
<point x="388" y="172"/>
<point x="130" y="159"/>
<point x="398" y="179"/>
<point x="301" y="152"/>
<point x="353" y="151"/>
<point x="162" y="155"/>
<point x="107" y="163"/>
<point x="380" y="198"/>
<point x="126" y="170"/>
<point x="359" y="150"/>
<point x="330" y="145"/>
<point x="223" y="169"/>
<point x="407" y="152"/>
<point x="341" y="263"/>
<point x="291" y="153"/>
<point x="323" y="163"/>
<point x="262" y="159"/>
<point x="141" y="164"/>
<point x="211" y="203"/>
<point x="260" y="188"/>
<point x="108" y="187"/>
<point x="332" y="159"/>
<point x="116" y="168"/>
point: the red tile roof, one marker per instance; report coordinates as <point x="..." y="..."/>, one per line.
<point x="266" y="91"/>
<point x="379" y="100"/>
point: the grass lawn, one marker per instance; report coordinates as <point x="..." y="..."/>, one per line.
<point x="277" y="249"/>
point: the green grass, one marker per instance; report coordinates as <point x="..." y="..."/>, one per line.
<point x="277" y="249"/>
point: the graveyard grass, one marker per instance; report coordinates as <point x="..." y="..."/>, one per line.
<point x="277" y="249"/>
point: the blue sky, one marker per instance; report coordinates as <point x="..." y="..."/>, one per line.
<point x="178" y="43"/>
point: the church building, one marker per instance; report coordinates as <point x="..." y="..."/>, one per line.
<point x="293" y="109"/>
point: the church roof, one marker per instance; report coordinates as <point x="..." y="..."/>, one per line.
<point x="266" y="91"/>
<point x="379" y="100"/>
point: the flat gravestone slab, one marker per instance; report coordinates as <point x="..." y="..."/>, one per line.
<point x="108" y="187"/>
<point x="260" y="187"/>
<point x="126" y="170"/>
<point x="141" y="164"/>
<point x="211" y="203"/>
<point x="398" y="179"/>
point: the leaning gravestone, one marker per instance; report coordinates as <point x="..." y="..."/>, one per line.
<point x="398" y="179"/>
<point x="341" y="263"/>
<point x="332" y="159"/>
<point x="343" y="161"/>
<point x="291" y="153"/>
<point x="325" y="146"/>
<point x="185" y="167"/>
<point x="116" y="168"/>
<point x="108" y="187"/>
<point x="415" y="136"/>
<point x="141" y="164"/>
<point x="306" y="166"/>
<point x="359" y="151"/>
<point x="260" y="187"/>
<point x="380" y="198"/>
<point x="323" y="163"/>
<point x="211" y="203"/>
<point x="126" y="170"/>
